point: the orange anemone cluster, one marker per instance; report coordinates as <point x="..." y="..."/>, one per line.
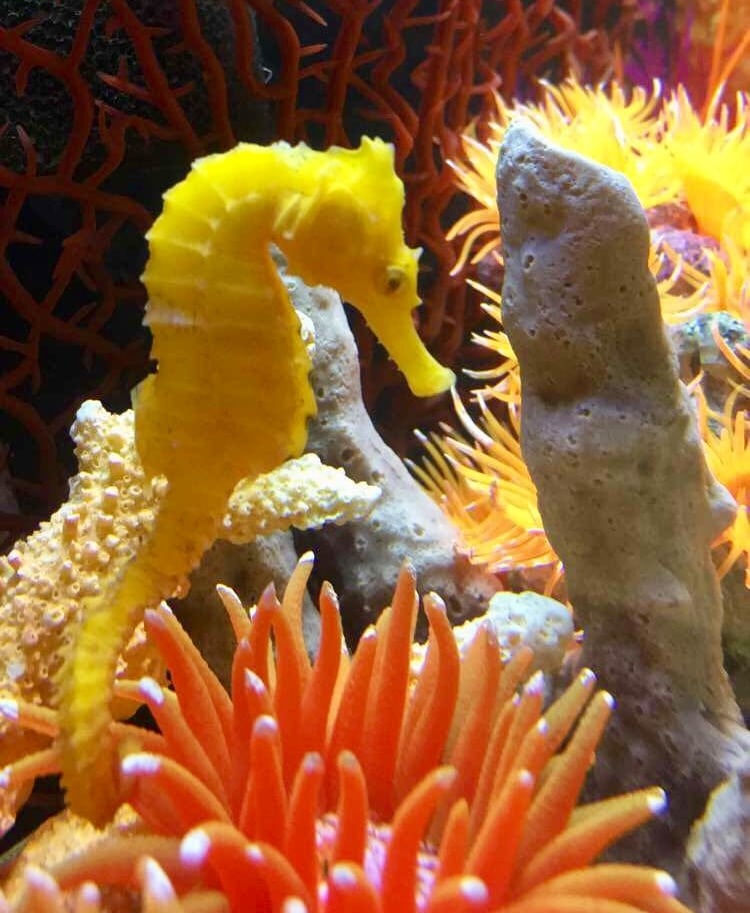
<point x="358" y="784"/>
<point x="689" y="172"/>
<point x="726" y="443"/>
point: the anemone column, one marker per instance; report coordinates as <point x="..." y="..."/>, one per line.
<point x="609" y="436"/>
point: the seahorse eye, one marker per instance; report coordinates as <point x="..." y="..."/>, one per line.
<point x="394" y="278"/>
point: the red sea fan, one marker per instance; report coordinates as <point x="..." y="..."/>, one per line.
<point x="367" y="784"/>
<point x="105" y="102"/>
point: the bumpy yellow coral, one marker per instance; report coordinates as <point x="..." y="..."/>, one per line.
<point x="84" y="544"/>
<point x="303" y="493"/>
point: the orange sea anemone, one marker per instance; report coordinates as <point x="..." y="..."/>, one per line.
<point x="605" y="124"/>
<point x="708" y="158"/>
<point x="727" y="449"/>
<point x="356" y="785"/>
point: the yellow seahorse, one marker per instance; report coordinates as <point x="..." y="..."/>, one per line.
<point x="231" y="395"/>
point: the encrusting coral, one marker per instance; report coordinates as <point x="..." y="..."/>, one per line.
<point x="610" y="438"/>
<point x="110" y="510"/>
<point x="357" y="784"/>
<point x="45" y="578"/>
<point x="302" y="492"/>
<point x="215" y="297"/>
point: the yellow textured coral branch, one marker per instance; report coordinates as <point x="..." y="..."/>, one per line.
<point x="43" y="580"/>
<point x="303" y="492"/>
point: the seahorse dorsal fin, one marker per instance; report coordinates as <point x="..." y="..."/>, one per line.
<point x="288" y="216"/>
<point x="377" y="150"/>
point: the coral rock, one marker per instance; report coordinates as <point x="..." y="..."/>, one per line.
<point x="718" y="861"/>
<point x="611" y="441"/>
<point x="362" y="558"/>
<point x="543" y="624"/>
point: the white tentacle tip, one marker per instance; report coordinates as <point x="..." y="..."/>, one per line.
<point x="343" y="876"/>
<point x="474" y="890"/>
<point x="155" y="881"/>
<point x="294" y="905"/>
<point x="151" y="690"/>
<point x="194" y="847"/>
<point x="666" y="884"/>
<point x="9" y="708"/>
<point x="140" y="764"/>
<point x="657" y="803"/>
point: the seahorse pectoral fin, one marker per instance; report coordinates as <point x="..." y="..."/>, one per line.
<point x="424" y="374"/>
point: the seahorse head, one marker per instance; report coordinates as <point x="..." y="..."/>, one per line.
<point x="346" y="233"/>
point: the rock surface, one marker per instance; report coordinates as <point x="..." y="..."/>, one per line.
<point x="528" y="618"/>
<point x="718" y="863"/>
